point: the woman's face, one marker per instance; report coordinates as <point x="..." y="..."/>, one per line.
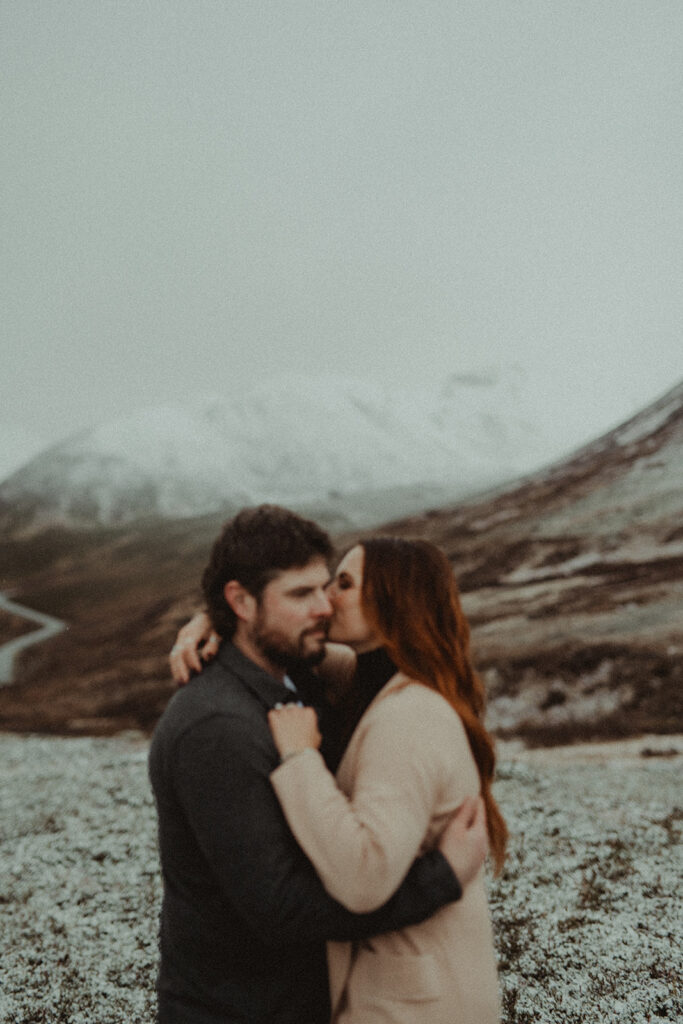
<point x="349" y="624"/>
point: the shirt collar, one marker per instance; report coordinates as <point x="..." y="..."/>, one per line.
<point x="268" y="690"/>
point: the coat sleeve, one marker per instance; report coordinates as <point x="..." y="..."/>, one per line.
<point x="363" y="847"/>
<point x="245" y="840"/>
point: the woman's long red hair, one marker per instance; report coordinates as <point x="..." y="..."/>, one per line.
<point x="411" y="598"/>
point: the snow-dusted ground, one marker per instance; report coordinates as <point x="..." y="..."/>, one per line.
<point x="587" y="913"/>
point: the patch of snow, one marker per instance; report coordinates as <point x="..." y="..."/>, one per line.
<point x="567" y="568"/>
<point x="649" y="421"/>
<point x="651" y="486"/>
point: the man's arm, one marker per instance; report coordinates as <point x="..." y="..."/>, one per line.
<point x="222" y="777"/>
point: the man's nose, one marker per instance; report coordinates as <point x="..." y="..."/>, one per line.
<point x="323" y="605"/>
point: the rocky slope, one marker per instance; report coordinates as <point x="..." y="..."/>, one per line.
<point x="573" y="583"/>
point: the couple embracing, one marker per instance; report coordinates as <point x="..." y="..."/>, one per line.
<point x="323" y="788"/>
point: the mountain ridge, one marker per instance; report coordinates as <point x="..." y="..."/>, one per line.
<point x="294" y="440"/>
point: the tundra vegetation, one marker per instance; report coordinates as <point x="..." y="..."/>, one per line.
<point x="586" y="912"/>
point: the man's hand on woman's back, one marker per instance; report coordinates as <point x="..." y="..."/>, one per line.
<point x="464" y="842"/>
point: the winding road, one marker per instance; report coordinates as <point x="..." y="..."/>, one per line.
<point x="48" y="627"/>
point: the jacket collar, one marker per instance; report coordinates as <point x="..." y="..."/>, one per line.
<point x="268" y="690"/>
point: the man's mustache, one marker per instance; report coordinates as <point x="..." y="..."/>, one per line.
<point x="322" y="627"/>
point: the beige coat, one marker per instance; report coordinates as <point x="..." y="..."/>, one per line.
<point x="407" y="768"/>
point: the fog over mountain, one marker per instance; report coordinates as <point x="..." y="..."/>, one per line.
<point x="17" y="447"/>
<point x="361" y="450"/>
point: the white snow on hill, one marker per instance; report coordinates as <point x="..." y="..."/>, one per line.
<point x="295" y="440"/>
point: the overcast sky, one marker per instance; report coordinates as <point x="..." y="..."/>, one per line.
<point x="200" y="193"/>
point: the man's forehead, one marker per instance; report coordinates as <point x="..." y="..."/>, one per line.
<point x="314" y="573"/>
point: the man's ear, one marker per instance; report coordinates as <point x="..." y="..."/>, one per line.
<point x="243" y="604"/>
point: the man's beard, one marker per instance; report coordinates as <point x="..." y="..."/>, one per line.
<point x="284" y="652"/>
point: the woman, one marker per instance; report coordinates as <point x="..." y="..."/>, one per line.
<point x="418" y="751"/>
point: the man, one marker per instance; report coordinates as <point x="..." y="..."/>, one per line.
<point x="244" y="917"/>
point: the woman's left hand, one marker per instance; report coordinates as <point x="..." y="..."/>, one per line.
<point x="294" y="728"/>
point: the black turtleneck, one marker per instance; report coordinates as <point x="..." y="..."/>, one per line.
<point x="374" y="669"/>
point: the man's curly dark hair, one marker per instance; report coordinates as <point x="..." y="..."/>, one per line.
<point x="253" y="548"/>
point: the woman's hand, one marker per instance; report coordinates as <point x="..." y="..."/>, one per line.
<point x="195" y="643"/>
<point x="294" y="728"/>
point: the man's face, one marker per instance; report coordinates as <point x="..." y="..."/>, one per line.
<point x="292" y="616"/>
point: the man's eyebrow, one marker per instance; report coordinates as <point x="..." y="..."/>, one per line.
<point x="302" y="588"/>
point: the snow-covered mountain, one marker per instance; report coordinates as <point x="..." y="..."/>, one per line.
<point x="370" y="451"/>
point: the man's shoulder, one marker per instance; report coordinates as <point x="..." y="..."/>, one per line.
<point x="215" y="693"/>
